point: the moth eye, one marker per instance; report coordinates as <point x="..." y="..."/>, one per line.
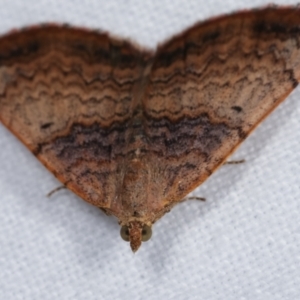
<point x="124" y="232"/>
<point x="146" y="233"/>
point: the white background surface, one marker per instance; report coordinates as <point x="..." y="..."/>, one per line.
<point x="243" y="243"/>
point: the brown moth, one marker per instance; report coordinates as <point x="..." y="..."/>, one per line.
<point x="133" y="131"/>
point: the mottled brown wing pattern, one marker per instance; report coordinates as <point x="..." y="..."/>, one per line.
<point x="133" y="132"/>
<point x="68" y="95"/>
<point x="212" y="85"/>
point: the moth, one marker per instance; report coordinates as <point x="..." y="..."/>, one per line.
<point x="133" y="131"/>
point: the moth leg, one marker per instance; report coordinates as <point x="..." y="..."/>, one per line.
<point x="194" y="198"/>
<point x="105" y="211"/>
<point x="234" y="162"/>
<point x="56" y="190"/>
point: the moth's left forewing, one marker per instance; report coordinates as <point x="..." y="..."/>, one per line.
<point x="212" y="85"/>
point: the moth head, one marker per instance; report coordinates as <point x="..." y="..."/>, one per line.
<point x="136" y="232"/>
